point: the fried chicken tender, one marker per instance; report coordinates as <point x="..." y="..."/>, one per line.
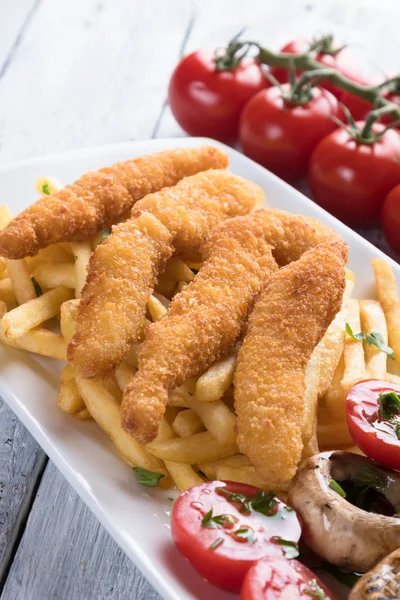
<point x="207" y="318"/>
<point x="289" y="319"/>
<point x="100" y="198"/>
<point x="124" y="269"/>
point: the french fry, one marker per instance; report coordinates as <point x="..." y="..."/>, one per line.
<point x="67" y="373"/>
<point x="186" y="423"/>
<point x="46" y="185"/>
<point x="83" y="415"/>
<point x="217" y="418"/>
<point x="181" y="395"/>
<point x="213" y="383"/>
<point x="334" y="435"/>
<point x="177" y="270"/>
<point x="68" y="316"/>
<point x="249" y="476"/>
<point x="82" y="252"/>
<point x="105" y="410"/>
<point x="392" y="378"/>
<point x="5" y="216"/>
<point x="34" y="312"/>
<point x="180" y="286"/>
<point x="69" y="398"/>
<point x="373" y="319"/>
<point x="349" y="275"/>
<point x="38" y="341"/>
<point x="124" y="374"/>
<point x="388" y="296"/>
<point x="22" y="285"/>
<point x="3" y="308"/>
<point x="52" y="276"/>
<point x="332" y="343"/>
<point x="52" y="255"/>
<point x="236" y="460"/>
<point x="200" y="447"/>
<point x="176" y="400"/>
<point x="334" y="398"/>
<point x="354" y="363"/>
<point x="165" y="286"/>
<point x="157" y="309"/>
<point x="312" y="376"/>
<point x="7" y="294"/>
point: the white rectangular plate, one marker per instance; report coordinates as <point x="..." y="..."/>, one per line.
<point x="137" y="519"/>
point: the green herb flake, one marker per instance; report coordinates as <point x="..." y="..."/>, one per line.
<point x="147" y="478"/>
<point x="397" y="430"/>
<point x="369" y="477"/>
<point x="374" y="338"/>
<point x="232" y="497"/>
<point x="170" y="499"/>
<point x="38" y="289"/>
<point x="217" y="543"/>
<point x="210" y="522"/>
<point x="46" y="189"/>
<point x="265" y="503"/>
<point x="246" y="534"/>
<point x="336" y="487"/>
<point x="389" y="405"/>
<point x="105" y="235"/>
<point x="315" y="590"/>
<point x="291" y="549"/>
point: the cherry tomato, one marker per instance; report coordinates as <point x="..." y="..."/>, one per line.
<point x="208" y="102"/>
<point x="351" y="180"/>
<point x="281" y="136"/>
<point x="391" y="218"/>
<point x="359" y="107"/>
<point x="343" y="61"/>
<point x="223" y="544"/>
<point x="277" y="578"/>
<point x="373" y="431"/>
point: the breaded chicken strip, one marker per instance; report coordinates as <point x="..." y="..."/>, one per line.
<point x="100" y="198"/>
<point x="289" y="319"/>
<point x="207" y="318"/>
<point x="124" y="269"/>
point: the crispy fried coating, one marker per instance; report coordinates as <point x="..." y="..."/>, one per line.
<point x="204" y="321"/>
<point x="124" y="269"/>
<point x="99" y="198"/>
<point x="289" y="319"/>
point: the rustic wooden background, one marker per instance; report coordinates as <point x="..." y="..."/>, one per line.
<point x="77" y="73"/>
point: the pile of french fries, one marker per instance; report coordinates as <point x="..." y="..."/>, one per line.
<point x="197" y="438"/>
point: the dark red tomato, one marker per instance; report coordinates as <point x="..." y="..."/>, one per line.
<point x="374" y="434"/>
<point x="351" y="180"/>
<point x="223" y="548"/>
<point x="282" y="136"/>
<point x="391" y="218"/>
<point x="277" y="578"/>
<point x="359" y="107"/>
<point x="342" y="60"/>
<point x="208" y="102"/>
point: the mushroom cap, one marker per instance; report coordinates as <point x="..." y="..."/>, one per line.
<point x="336" y="530"/>
<point x="383" y="581"/>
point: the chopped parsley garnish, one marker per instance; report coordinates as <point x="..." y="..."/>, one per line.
<point x="104" y="236"/>
<point x="170" y="499"/>
<point x="389" y="405"/>
<point x="291" y="549"/>
<point x="369" y="477"/>
<point x="232" y="497"/>
<point x="372" y="339"/>
<point x="397" y="430"/>
<point x="210" y="522"/>
<point x="336" y="487"/>
<point x="46" y="189"/>
<point x="265" y="503"/>
<point x="147" y="478"/>
<point x="315" y="590"/>
<point x="37" y="287"/>
<point x="217" y="543"/>
<point x="246" y="534"/>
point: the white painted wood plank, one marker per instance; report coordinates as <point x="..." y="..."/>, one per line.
<point x="14" y="17"/>
<point x="89" y="72"/>
<point x="66" y="554"/>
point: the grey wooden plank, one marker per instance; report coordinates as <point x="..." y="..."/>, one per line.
<point x="14" y="18"/>
<point x="89" y="72"/>
<point x="66" y="553"/>
<point x="21" y="463"/>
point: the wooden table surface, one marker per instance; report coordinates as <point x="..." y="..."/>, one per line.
<point x="78" y="73"/>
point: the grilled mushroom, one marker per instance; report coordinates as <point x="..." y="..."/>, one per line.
<point x="382" y="582"/>
<point x="355" y="531"/>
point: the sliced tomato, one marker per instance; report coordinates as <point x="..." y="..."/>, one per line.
<point x="219" y="528"/>
<point x="278" y="578"/>
<point x="369" y="423"/>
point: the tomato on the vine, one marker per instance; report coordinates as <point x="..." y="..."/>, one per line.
<point x="281" y="135"/>
<point x="222" y="528"/>
<point x="373" y="417"/>
<point x="359" y="107"/>
<point x="275" y="578"/>
<point x="351" y="179"/>
<point x="340" y="59"/>
<point x="391" y="218"/>
<point x="206" y="101"/>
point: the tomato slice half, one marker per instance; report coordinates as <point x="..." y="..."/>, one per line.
<point x="374" y="435"/>
<point x="281" y="579"/>
<point x="219" y="528"/>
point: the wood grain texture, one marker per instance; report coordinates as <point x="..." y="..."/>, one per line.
<point x="66" y="554"/>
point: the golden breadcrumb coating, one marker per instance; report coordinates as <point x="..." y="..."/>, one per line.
<point x="100" y="198"/>
<point x="289" y="319"/>
<point x="123" y="271"/>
